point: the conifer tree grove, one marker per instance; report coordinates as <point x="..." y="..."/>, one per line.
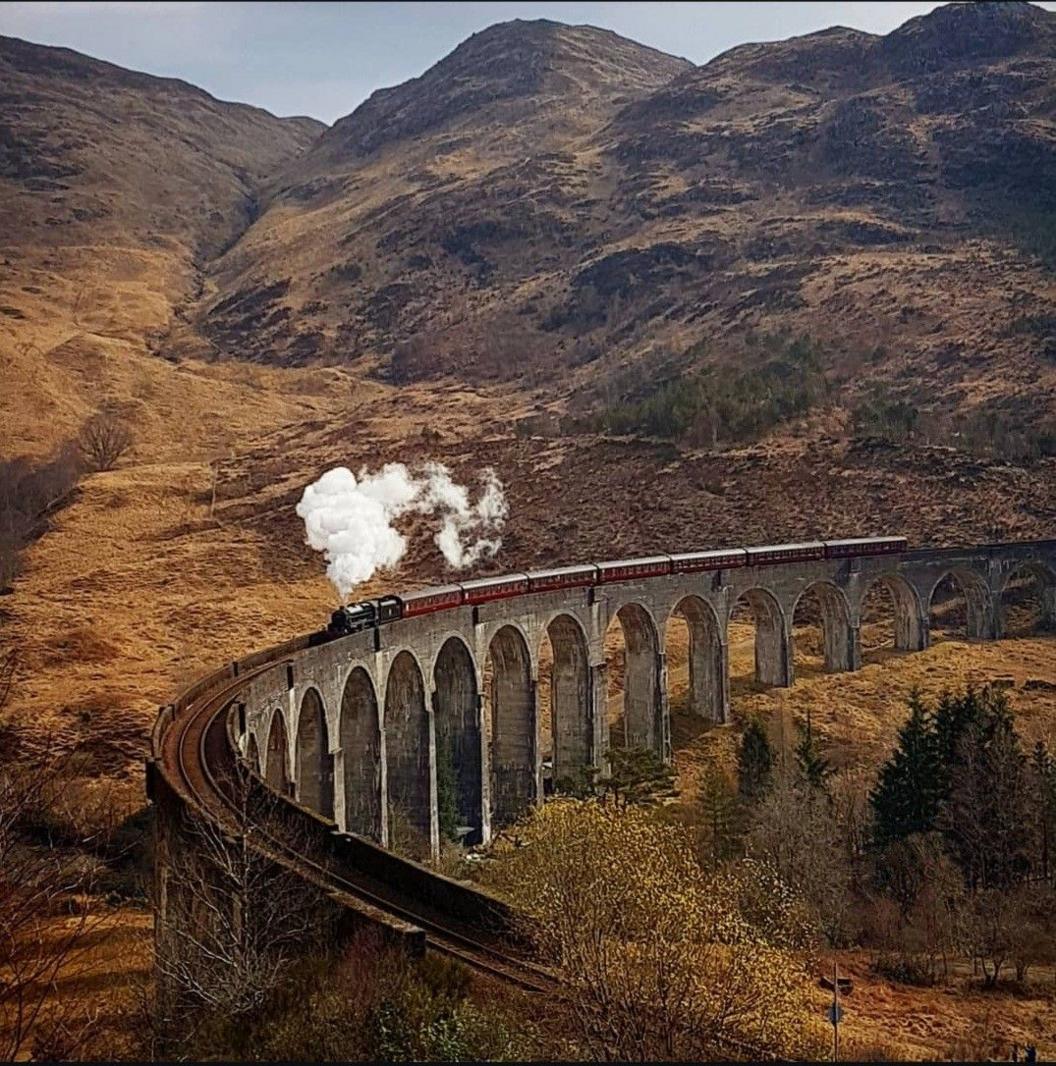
<point x="961" y="771"/>
<point x="986" y="815"/>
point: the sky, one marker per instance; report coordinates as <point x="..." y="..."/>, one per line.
<point x="324" y="59"/>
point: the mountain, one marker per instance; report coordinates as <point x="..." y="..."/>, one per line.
<point x="90" y="150"/>
<point x="557" y="222"/>
<point x="537" y="81"/>
<point x="472" y="176"/>
<point x="116" y="188"/>
<point x="559" y="207"/>
<point x="556" y="210"/>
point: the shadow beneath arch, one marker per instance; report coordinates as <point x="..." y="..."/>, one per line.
<point x="686" y="728"/>
<point x="757" y="621"/>
<point x="510" y="725"/>
<point x="1027" y="602"/>
<point x="959" y="607"/>
<point x="890" y="619"/>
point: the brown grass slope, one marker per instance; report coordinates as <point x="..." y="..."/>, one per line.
<point x="91" y="151"/>
<point x="115" y="189"/>
<point x="527" y="210"/>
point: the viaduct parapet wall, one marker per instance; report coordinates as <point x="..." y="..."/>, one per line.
<point x="388" y="732"/>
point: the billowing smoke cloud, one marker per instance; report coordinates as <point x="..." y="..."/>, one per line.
<point x="350" y="519"/>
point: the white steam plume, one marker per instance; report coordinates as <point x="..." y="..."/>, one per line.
<point x="350" y="519"/>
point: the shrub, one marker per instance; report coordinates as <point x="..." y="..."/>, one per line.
<point x="905" y="969"/>
<point x="991" y="431"/>
<point x="637" y="775"/>
<point x="882" y="416"/>
<point x="659" y="958"/>
<point x="370" y="1003"/>
<point x="29" y="491"/>
<point x="446" y="789"/>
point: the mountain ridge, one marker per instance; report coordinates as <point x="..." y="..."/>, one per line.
<point x="116" y="190"/>
<point x="565" y="211"/>
<point x="531" y="72"/>
<point x="733" y="198"/>
<point x="72" y="60"/>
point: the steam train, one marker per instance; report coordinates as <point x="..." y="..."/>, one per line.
<point x="372" y="613"/>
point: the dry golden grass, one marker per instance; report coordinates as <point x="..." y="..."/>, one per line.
<point x="97" y="1007"/>
<point x="88" y="337"/>
<point x="959" y="1021"/>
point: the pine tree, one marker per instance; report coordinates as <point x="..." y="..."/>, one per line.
<point x="637" y="776"/>
<point x="986" y="814"/>
<point x="755" y="762"/>
<point x="446" y="790"/>
<point x="812" y="765"/>
<point x="908" y="791"/>
<point x="954" y="717"/>
<point x="1008" y="807"/>
<point x="719" y="809"/>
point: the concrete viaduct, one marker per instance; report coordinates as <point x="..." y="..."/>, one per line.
<point x="392" y="723"/>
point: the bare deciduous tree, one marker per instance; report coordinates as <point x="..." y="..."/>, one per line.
<point x="796" y="832"/>
<point x="103" y="440"/>
<point x="234" y="917"/>
<point x="29" y="491"/>
<point x="44" y="916"/>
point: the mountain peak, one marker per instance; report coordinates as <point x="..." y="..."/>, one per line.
<point x="960" y="33"/>
<point x="509" y="67"/>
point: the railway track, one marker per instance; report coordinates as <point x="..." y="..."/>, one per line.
<point x="198" y="747"/>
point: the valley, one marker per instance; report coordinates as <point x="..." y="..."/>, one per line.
<point x="545" y="255"/>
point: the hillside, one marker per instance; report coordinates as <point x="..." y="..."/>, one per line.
<point x="549" y="225"/>
<point x="116" y="188"/>
<point x="399" y="215"/>
<point x="887" y="195"/>
<point x="552" y="206"/>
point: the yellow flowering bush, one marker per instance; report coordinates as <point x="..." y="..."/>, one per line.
<point x="660" y="957"/>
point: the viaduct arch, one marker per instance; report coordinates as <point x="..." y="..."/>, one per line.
<point x="709" y="693"/>
<point x="841" y="646"/>
<point x="361" y="755"/>
<point x="642" y="711"/>
<point x="436" y="725"/>
<point x="411" y="815"/>
<point x="459" y="737"/>
<point x="909" y="617"/>
<point x="513" y="740"/>
<point x="315" y="766"/>
<point x="1045" y="585"/>
<point x="571" y="706"/>
<point x="277" y="755"/>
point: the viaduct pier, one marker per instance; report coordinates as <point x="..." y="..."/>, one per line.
<point x="366" y="737"/>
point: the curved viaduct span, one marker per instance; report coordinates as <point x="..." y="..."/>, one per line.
<point x="371" y="736"/>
